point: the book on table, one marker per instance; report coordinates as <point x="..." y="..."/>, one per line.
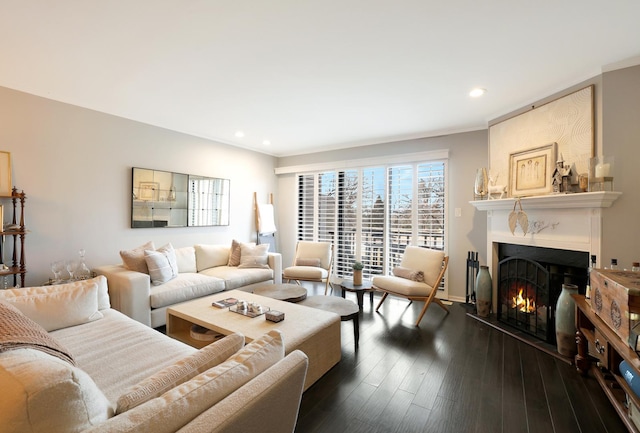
<point x="225" y="303"/>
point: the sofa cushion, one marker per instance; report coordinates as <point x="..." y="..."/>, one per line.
<point x="162" y="264"/>
<point x="180" y="405"/>
<point x="208" y="256"/>
<point x="183" y="370"/>
<point x="62" y="306"/>
<point x="100" y="280"/>
<point x="41" y="393"/>
<point x="235" y="277"/>
<point x="184" y="288"/>
<point x="254" y="256"/>
<point x="186" y="259"/>
<point x="134" y="259"/>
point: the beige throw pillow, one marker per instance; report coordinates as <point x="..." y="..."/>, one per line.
<point x="409" y="274"/>
<point x="308" y="262"/>
<point x="60" y="308"/>
<point x="162" y="264"/>
<point x="234" y="255"/>
<point x="254" y="256"/>
<point x="183" y="370"/>
<point x="134" y="259"/>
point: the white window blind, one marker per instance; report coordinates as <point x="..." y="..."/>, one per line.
<point x="372" y="213"/>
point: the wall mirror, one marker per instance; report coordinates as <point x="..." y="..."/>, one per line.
<point x="166" y="199"/>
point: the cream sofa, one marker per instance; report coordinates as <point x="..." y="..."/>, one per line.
<point x="70" y="363"/>
<point x="201" y="270"/>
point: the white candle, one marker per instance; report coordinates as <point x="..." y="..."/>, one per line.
<point x="602" y="170"/>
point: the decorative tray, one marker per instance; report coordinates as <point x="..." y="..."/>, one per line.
<point x="247" y="312"/>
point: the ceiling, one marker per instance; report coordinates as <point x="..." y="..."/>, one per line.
<point x="310" y="75"/>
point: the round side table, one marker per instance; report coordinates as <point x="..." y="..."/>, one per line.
<point x="348" y="286"/>
<point x="282" y="292"/>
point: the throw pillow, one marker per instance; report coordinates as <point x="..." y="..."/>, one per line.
<point x="100" y="280"/>
<point x="234" y="255"/>
<point x="182" y="404"/>
<point x="183" y="370"/>
<point x="41" y="393"/>
<point x="134" y="259"/>
<point x="162" y="264"/>
<point x="58" y="309"/>
<point x="186" y="259"/>
<point x="210" y="256"/>
<point x="409" y="274"/>
<point x="254" y="256"/>
<point x="308" y="262"/>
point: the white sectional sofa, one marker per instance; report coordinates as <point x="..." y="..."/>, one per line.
<point x="144" y="293"/>
<point x="70" y="363"/>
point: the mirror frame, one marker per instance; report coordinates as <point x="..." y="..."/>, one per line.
<point x="167" y="199"/>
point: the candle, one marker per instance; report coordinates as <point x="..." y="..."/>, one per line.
<point x="602" y="170"/>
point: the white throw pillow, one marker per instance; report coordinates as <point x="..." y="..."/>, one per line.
<point x="41" y="393"/>
<point x="100" y="280"/>
<point x="183" y="370"/>
<point x="134" y="259"/>
<point x="254" y="256"/>
<point x="210" y="256"/>
<point x="66" y="305"/>
<point x="186" y="259"/>
<point x="162" y="264"/>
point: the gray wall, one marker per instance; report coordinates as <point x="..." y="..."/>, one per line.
<point x="75" y="165"/>
<point x="467" y="152"/>
<point x="621" y="138"/>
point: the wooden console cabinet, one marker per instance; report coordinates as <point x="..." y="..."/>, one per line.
<point x="600" y="350"/>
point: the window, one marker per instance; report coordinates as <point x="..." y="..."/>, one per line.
<point x="372" y="213"/>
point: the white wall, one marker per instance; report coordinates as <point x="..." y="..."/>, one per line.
<point x="467" y="152"/>
<point x="75" y="165"/>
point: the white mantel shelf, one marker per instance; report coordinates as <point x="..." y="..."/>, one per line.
<point x="600" y="199"/>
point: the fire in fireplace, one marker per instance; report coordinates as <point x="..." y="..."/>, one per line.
<point x="529" y="282"/>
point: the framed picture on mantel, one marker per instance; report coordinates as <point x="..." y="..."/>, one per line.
<point x="5" y="174"/>
<point x="530" y="171"/>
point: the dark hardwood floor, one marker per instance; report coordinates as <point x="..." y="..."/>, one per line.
<point x="451" y="374"/>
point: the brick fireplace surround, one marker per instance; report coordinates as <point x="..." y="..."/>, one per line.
<point x="560" y="221"/>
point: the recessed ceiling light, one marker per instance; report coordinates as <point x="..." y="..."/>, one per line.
<point x="266" y="143"/>
<point x="239" y="134"/>
<point x="477" y="92"/>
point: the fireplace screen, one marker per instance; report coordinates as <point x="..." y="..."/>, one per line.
<point x="523" y="297"/>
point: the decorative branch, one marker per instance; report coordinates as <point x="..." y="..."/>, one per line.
<point x="538" y="226"/>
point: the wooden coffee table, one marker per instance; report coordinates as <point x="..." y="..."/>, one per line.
<point x="315" y="332"/>
<point x="348" y="286"/>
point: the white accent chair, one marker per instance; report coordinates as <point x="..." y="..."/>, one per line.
<point x="431" y="263"/>
<point x="312" y="262"/>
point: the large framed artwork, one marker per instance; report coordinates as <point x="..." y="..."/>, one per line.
<point x="567" y="121"/>
<point x="530" y="170"/>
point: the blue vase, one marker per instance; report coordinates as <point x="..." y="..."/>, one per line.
<point x="484" y="289"/>
<point x="566" y="321"/>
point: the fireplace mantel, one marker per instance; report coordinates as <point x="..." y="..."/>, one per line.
<point x="593" y="200"/>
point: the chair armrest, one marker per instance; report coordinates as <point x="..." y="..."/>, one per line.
<point x="275" y="263"/>
<point x="129" y="291"/>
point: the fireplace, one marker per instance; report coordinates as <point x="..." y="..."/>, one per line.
<point x="529" y="281"/>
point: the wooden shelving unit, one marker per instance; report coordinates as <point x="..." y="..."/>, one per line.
<point x="16" y="233"/>
<point x="594" y="335"/>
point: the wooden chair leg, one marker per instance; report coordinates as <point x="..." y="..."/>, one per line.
<point x="439" y="302"/>
<point x="382" y="300"/>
